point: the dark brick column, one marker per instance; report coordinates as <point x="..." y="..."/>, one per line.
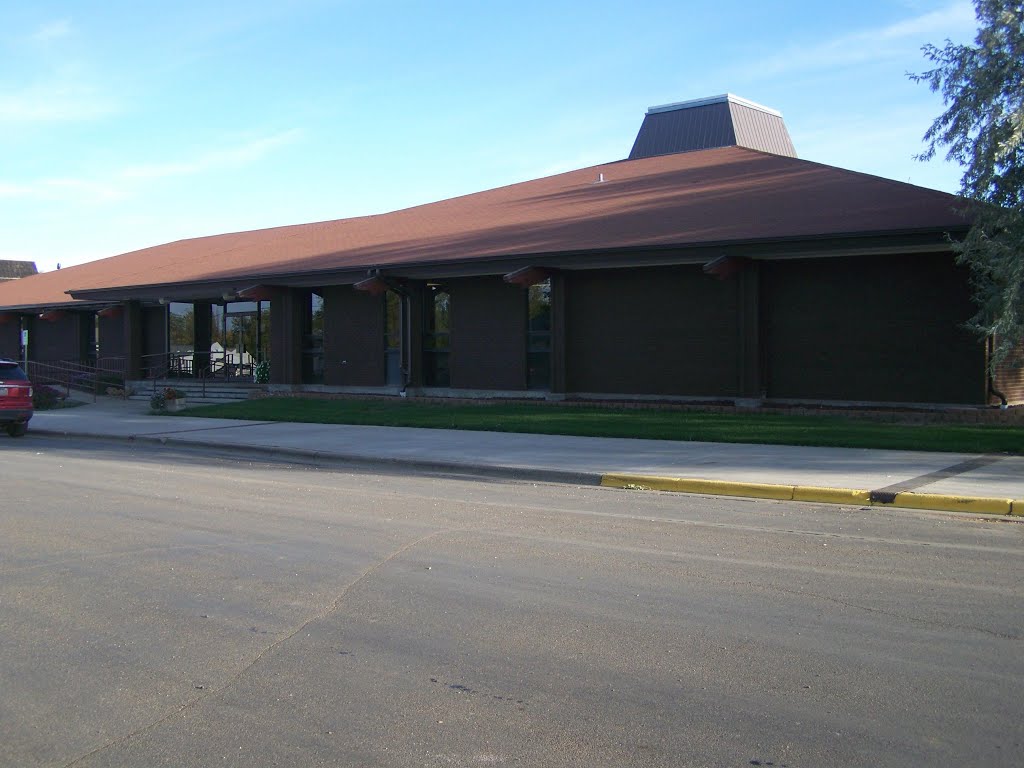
<point x="10" y="337"/>
<point x="61" y="337"/>
<point x="558" y="332"/>
<point x="132" y="343"/>
<point x="488" y="346"/>
<point x="202" y="329"/>
<point x="412" y="333"/>
<point x="112" y="333"/>
<point x="750" y="365"/>
<point x="286" y="321"/>
<point x="353" y="337"/>
<point x="87" y="336"/>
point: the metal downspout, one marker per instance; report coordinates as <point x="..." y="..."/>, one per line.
<point x="991" y="380"/>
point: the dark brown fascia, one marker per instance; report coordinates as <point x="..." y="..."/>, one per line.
<point x="69" y="306"/>
<point x="883" y="243"/>
<point x="213" y="292"/>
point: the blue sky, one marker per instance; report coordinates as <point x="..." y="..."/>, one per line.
<point x="127" y="124"/>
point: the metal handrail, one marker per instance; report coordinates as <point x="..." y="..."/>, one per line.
<point x="202" y="376"/>
<point x="163" y="366"/>
<point x="166" y="364"/>
<point x="44" y="374"/>
<point x="222" y="368"/>
<point x="154" y="373"/>
<point x="77" y="375"/>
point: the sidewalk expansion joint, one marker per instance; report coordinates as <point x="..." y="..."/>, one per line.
<point x="933" y="477"/>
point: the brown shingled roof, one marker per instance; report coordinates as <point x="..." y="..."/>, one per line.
<point x="714" y="196"/>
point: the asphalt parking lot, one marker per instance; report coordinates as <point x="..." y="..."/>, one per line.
<point x="161" y="606"/>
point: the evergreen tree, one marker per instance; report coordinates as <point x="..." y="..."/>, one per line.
<point x="982" y="128"/>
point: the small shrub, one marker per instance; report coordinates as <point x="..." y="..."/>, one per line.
<point x="157" y="402"/>
<point x="45" y="397"/>
<point x="261" y="372"/>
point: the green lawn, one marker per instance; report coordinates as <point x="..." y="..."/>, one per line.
<point x="643" y="423"/>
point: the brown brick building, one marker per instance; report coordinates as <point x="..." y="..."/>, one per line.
<point x="711" y="264"/>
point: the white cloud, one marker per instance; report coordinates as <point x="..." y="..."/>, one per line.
<point x="77" y="190"/>
<point x="225" y="157"/>
<point x="53" y="101"/>
<point x="47" y="83"/>
<point x="882" y="43"/>
<point x="54" y="30"/>
<point x="953" y="18"/>
<point x="126" y="182"/>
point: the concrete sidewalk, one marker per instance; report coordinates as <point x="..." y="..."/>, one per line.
<point x="992" y="484"/>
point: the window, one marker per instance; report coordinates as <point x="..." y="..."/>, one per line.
<point x="538" y="336"/>
<point x="392" y="321"/>
<point x="392" y="339"/>
<point x="180" y="327"/>
<point x="313" y="342"/>
<point x="181" y="335"/>
<point x="437" y="337"/>
<point x="242" y="333"/>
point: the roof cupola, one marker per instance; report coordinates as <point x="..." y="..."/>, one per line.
<point x="717" y="121"/>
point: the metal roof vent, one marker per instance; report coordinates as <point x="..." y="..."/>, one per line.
<point x="717" y="121"/>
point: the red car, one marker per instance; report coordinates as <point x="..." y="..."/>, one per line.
<point x="15" y="398"/>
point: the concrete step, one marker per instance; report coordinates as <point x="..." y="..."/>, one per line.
<point x="198" y="392"/>
<point x="195" y="399"/>
<point x="240" y="394"/>
<point x="195" y="392"/>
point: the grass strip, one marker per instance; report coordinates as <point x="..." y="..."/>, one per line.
<point x="651" y="424"/>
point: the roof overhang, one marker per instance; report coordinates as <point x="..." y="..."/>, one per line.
<point x="641" y="255"/>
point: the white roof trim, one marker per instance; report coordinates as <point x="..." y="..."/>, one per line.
<point x="725" y="97"/>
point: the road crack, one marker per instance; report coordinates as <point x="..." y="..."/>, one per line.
<point x="209" y="693"/>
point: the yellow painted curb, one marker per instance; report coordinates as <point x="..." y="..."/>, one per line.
<point x="946" y="503"/>
<point x="691" y="485"/>
<point x="927" y="501"/>
<point x="831" y="495"/>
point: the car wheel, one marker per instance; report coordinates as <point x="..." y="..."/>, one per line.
<point x="17" y="430"/>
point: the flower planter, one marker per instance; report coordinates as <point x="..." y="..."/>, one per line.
<point x="175" y="405"/>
